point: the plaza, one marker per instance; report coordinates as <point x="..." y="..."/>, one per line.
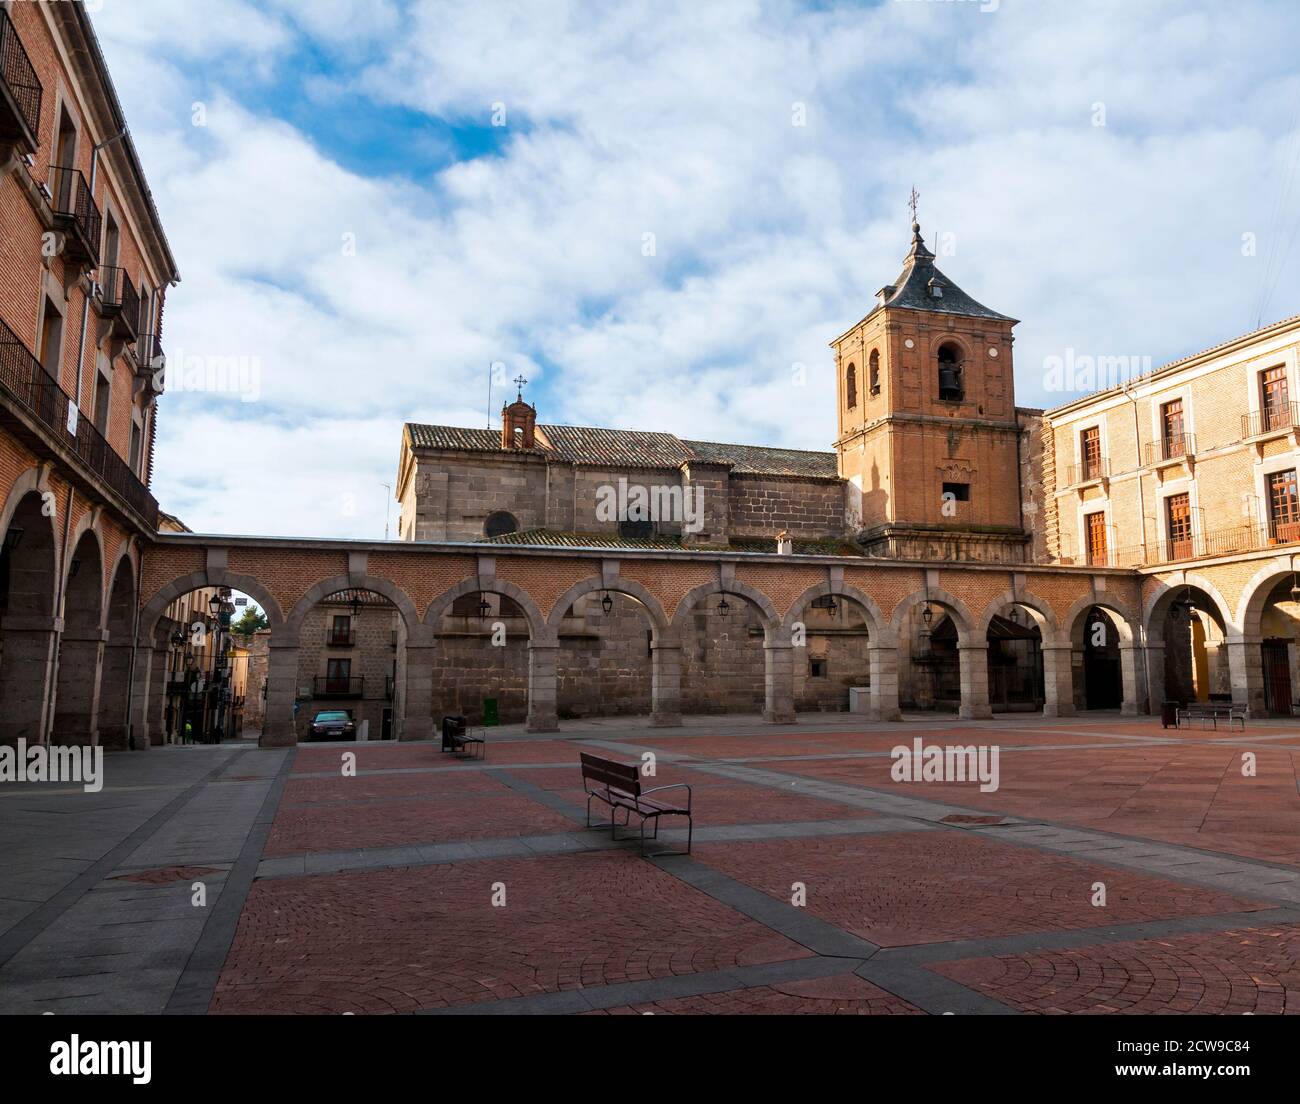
<point x="424" y="884"/>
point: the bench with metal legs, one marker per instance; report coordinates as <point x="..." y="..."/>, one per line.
<point x="618" y="785"/>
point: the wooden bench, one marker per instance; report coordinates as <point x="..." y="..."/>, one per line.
<point x="618" y="785"/>
<point x="1214" y="712"/>
<point x="474" y="739"/>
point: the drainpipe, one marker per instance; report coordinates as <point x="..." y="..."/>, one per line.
<point x="85" y="302"/>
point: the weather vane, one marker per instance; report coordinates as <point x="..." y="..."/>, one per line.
<point x="911" y="202"/>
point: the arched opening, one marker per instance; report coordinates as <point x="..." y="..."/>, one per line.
<point x="481" y="662"/>
<point x="873" y="373"/>
<point x="115" y="678"/>
<point x="81" y="647"/>
<point x="347" y="683"/>
<point x="1098" y="675"/>
<point x="952" y="385"/>
<point x="27" y="641"/>
<point x="1279" y="645"/>
<point x="1188" y="624"/>
<point x="723" y="666"/>
<point x="835" y="658"/>
<point x="605" y="662"/>
<point x="499" y="524"/>
<point x="851" y="387"/>
<point x="930" y="668"/>
<point x="1015" y="661"/>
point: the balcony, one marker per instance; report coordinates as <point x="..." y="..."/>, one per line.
<point x="1173" y="448"/>
<point x="1270" y="420"/>
<point x="25" y="383"/>
<point x="119" y="301"/>
<point x="75" y="213"/>
<point x="1229" y="541"/>
<point x="20" y="92"/>
<point x="329" y="686"/>
<point x="346" y="638"/>
<point x="1088" y="472"/>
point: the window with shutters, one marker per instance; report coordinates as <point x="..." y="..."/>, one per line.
<point x="1090" y="452"/>
<point x="1283" y="507"/>
<point x="1171" y="429"/>
<point x="1095" y="527"/>
<point x="1275" y="404"/>
<point x="1178" y="513"/>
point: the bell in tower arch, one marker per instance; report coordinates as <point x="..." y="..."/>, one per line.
<point x="951" y="386"/>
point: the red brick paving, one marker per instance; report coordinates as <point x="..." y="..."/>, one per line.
<point x="428" y="937"/>
<point x="368" y="787"/>
<point x="1218" y="973"/>
<point x="898" y="889"/>
<point x="842" y="995"/>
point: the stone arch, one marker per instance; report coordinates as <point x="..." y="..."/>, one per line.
<point x="120" y="608"/>
<point x="1159" y="601"/>
<point x="31" y="481"/>
<point x="760" y="601"/>
<point x="654" y="609"/>
<point x="1047" y="623"/>
<point x="90" y="522"/>
<point x="538" y="629"/>
<point x="953" y="605"/>
<point x="196" y="580"/>
<point x="374" y="583"/>
<point x="876" y="622"/>
<point x="1126" y="622"/>
<point x="1255" y="595"/>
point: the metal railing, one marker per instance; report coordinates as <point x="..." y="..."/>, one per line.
<point x="1088" y="471"/>
<point x="1229" y="541"/>
<point x="1174" y="446"/>
<point x="330" y="686"/>
<point x="75" y="207"/>
<point x="149" y="351"/>
<point x="24" y="378"/>
<point x="117" y="293"/>
<point x="19" y="77"/>
<point x="1270" y="419"/>
<point x="345" y="639"/>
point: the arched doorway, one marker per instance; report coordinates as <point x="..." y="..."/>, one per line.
<point x="115" y="681"/>
<point x="1015" y="659"/>
<point x="1188" y="626"/>
<point x="81" y="646"/>
<point x="1099" y="681"/>
<point x="27" y="639"/>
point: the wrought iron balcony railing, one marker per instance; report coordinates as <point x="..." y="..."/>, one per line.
<point x="20" y="90"/>
<point x="344" y="638"/>
<point x="75" y="213"/>
<point x="1173" y="446"/>
<point x="1229" y="541"/>
<point x="1088" y="470"/>
<point x="119" y="301"/>
<point x="24" y="379"/>
<point x="149" y="351"/>
<point x="1270" y="419"/>
<point x="330" y="686"/>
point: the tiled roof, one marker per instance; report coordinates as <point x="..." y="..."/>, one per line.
<point x="912" y="289"/>
<point x="553" y="539"/>
<point x="759" y="460"/>
<point x="630" y="448"/>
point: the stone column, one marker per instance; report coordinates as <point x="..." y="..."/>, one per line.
<point x="542" y="654"/>
<point x="666" y="681"/>
<point x="883" y="658"/>
<point x="779" y="677"/>
<point x="1058" y="680"/>
<point x="415" y="720"/>
<point x="1246" y="665"/>
<point x="974" y="659"/>
<point x="81" y="664"/>
<point x="1155" y="665"/>
<point x="156" y="708"/>
<point x="115" y="679"/>
<point x="25" y="674"/>
<point x="281" y="691"/>
<point x="1131" y="704"/>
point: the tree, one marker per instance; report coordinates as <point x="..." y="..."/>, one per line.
<point x="249" y="622"/>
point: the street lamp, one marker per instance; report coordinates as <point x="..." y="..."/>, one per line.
<point x="927" y="614"/>
<point x="355" y="605"/>
<point x="214" y="605"/>
<point x="484" y="608"/>
<point x="607" y="603"/>
<point x="724" y="607"/>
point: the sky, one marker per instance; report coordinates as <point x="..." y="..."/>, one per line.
<point x="661" y="214"/>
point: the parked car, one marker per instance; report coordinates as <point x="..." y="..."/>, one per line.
<point x="335" y="724"/>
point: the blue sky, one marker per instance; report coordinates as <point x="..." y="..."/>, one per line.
<point x="360" y="241"/>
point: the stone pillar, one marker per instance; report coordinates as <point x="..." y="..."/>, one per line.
<point x="974" y="660"/>
<point x="1131" y="705"/>
<point x="666" y="682"/>
<point x="156" y="707"/>
<point x="281" y="692"/>
<point x="1246" y="665"/>
<point x="542" y="655"/>
<point x="76" y="709"/>
<point x="883" y="658"/>
<point x="1058" y="680"/>
<point x="114" y="680"/>
<point x="1155" y="665"/>
<point x="779" y="678"/>
<point x="415" y="720"/>
<point x="25" y="674"/>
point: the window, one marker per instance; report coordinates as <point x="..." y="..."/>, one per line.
<point x="103" y="391"/>
<point x="341" y="631"/>
<point x="1275" y="405"/>
<point x="1283" y="507"/>
<point x="816" y="667"/>
<point x="51" y="339"/>
<point x="1178" y="513"/>
<point x="873" y="374"/>
<point x="1171" y="429"/>
<point x="338" y="676"/>
<point x="951" y="387"/>
<point x="137" y="438"/>
<point x="636" y="530"/>
<point x="960" y="492"/>
<point x="1094" y="526"/>
<point x="112" y="240"/>
<point x="851" y="387"/>
<point x="1090" y="452"/>
<point x="499" y="524"/>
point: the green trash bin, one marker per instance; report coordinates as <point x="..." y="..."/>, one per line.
<point x="490" y="712"/>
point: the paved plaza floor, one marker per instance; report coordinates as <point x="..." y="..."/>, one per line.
<point x="1118" y="867"/>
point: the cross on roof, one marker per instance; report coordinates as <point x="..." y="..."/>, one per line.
<point x="519" y="382"/>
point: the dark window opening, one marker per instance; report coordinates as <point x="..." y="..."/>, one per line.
<point x="873" y="372"/>
<point x="851" y="387"/>
<point x="636" y="530"/>
<point x="959" y="491"/>
<point x="816" y="667"/>
<point x="499" y="524"/>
